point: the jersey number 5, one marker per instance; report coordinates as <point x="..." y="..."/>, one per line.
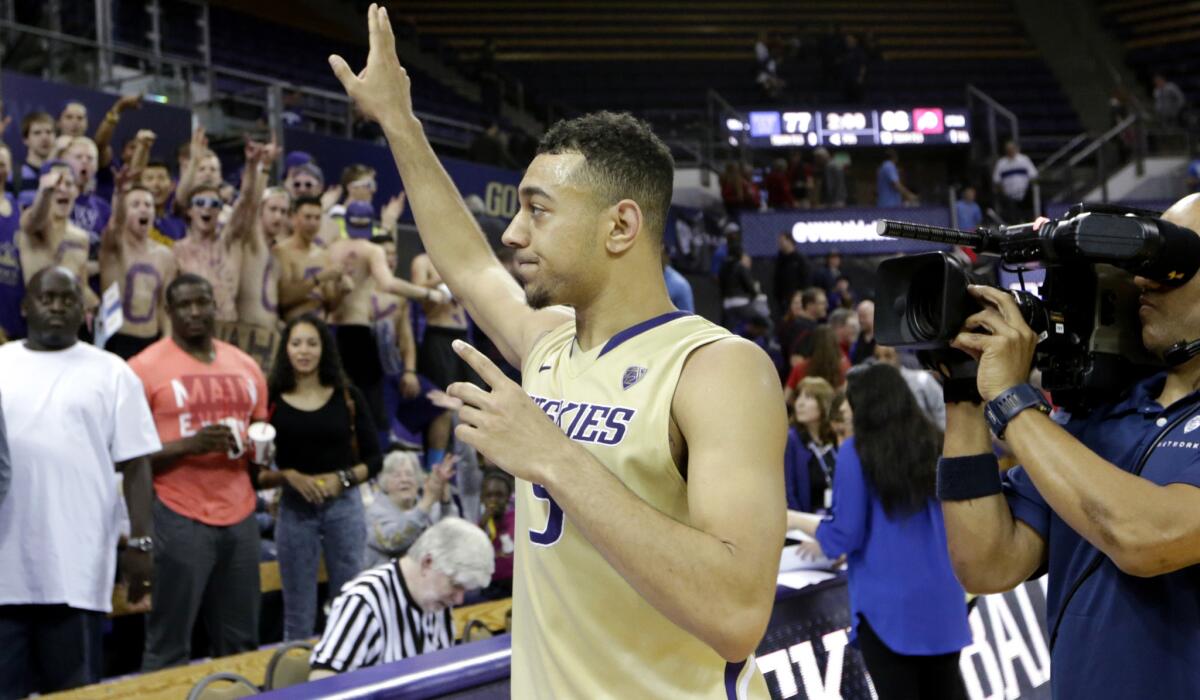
<point x="554" y="523"/>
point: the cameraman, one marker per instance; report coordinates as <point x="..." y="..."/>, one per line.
<point x="1121" y="548"/>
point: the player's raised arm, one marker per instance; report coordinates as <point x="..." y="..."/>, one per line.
<point x="453" y="240"/>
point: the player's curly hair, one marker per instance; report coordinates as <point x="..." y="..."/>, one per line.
<point x="623" y="159"/>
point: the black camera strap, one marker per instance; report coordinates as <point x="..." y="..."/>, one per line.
<point x="1096" y="561"/>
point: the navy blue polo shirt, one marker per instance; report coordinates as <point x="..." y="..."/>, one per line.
<point x="1122" y="636"/>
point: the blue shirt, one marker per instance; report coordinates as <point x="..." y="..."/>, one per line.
<point x="969" y="214"/>
<point x="679" y="289"/>
<point x="1123" y="636"/>
<point x="12" y="282"/>
<point x="886" y="179"/>
<point x="898" y="568"/>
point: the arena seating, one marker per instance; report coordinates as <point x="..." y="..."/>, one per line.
<point x="654" y="56"/>
<point x="1159" y="35"/>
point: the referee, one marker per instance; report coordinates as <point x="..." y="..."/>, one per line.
<point x="402" y="608"/>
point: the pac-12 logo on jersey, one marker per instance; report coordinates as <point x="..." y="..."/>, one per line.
<point x="632" y="376"/>
<point x="591" y="423"/>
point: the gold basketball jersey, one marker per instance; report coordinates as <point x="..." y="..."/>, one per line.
<point x="579" y="629"/>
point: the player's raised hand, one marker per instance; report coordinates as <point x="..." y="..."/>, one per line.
<point x="381" y="89"/>
<point x="504" y="423"/>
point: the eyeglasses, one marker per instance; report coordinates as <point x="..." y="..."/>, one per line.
<point x="304" y="184"/>
<point x="207" y="202"/>
<point x="369" y="184"/>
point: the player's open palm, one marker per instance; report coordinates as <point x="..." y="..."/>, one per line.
<point x="381" y="89"/>
<point x="504" y="423"/>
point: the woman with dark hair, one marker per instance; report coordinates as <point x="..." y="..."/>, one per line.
<point x="827" y="362"/>
<point x="908" y="612"/>
<point x="325" y="446"/>
<point x="808" y="460"/>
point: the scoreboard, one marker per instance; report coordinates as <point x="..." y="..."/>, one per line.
<point x="845" y="128"/>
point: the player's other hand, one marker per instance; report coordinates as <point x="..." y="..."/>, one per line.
<point x="381" y="89"/>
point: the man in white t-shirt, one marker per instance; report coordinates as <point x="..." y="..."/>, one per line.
<point x="1011" y="176"/>
<point x="76" y="415"/>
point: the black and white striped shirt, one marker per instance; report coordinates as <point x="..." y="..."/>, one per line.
<point x="376" y="621"/>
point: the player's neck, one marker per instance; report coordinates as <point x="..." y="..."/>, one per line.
<point x="619" y="306"/>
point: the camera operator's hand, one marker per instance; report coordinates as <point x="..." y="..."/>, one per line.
<point x="1006" y="355"/>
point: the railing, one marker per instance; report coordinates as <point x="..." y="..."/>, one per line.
<point x="1095" y="162"/>
<point x="993" y="110"/>
<point x="194" y="84"/>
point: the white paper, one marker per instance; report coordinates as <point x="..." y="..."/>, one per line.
<point x="111" y="316"/>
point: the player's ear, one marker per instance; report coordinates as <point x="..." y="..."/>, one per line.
<point x="626" y="220"/>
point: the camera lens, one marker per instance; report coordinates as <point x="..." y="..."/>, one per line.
<point x="924" y="308"/>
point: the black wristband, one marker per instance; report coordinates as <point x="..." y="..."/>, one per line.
<point x="964" y="478"/>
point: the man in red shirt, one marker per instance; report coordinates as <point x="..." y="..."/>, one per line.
<point x="203" y="394"/>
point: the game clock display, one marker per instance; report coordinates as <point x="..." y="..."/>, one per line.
<point x="847" y="128"/>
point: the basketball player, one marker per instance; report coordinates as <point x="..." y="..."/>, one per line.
<point x="141" y="267"/>
<point x="648" y="542"/>
<point x="47" y="237"/>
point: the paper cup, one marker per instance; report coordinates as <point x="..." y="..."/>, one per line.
<point x="262" y="437"/>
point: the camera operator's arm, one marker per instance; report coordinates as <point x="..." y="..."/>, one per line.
<point x="1144" y="528"/>
<point x="991" y="550"/>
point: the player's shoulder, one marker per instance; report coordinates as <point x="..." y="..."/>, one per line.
<point x="728" y="364"/>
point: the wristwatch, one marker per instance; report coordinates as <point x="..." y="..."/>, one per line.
<point x="344" y="477"/>
<point x="1002" y="409"/>
<point x="141" y="544"/>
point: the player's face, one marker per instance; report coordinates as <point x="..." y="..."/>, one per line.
<point x="304" y="349"/>
<point x="139" y="211"/>
<point x="82" y="158"/>
<point x="274" y="215"/>
<point x="73" y="120"/>
<point x="806" y="408"/>
<point x="554" y="232"/>
<point x="208" y="171"/>
<point x="307" y="221"/>
<point x="204" y="210"/>
<point x="437" y="590"/>
<point x="158" y="181"/>
<point x="41" y="139"/>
